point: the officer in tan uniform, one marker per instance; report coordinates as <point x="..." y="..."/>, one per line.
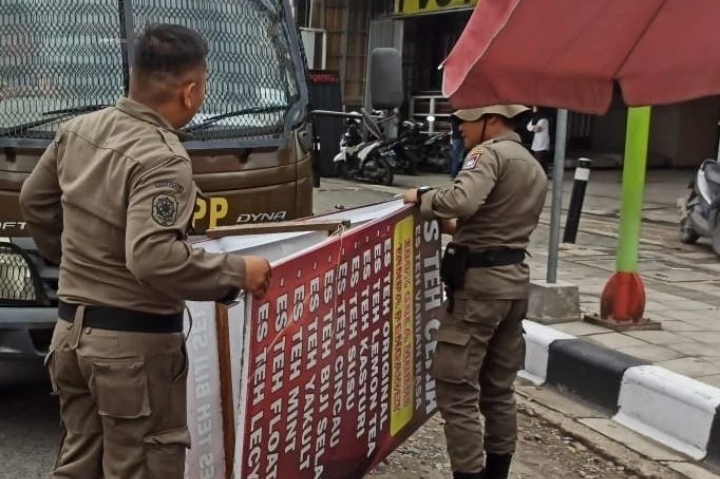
<point x="491" y="210"/>
<point x="116" y="187"/>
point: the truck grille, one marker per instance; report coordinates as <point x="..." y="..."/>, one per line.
<point x="20" y="282"/>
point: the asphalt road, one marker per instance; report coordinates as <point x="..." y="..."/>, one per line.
<point x="30" y="433"/>
<point x="29" y="421"/>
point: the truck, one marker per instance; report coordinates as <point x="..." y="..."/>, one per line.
<point x="252" y="141"/>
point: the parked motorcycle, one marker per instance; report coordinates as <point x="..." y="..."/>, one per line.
<point x="437" y="153"/>
<point x="700" y="211"/>
<point x="370" y="161"/>
<point x="408" y="147"/>
<point x="418" y="151"/>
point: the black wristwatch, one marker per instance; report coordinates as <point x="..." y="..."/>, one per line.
<point x="421" y="191"/>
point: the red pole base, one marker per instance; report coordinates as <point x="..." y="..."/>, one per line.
<point x="623" y="299"/>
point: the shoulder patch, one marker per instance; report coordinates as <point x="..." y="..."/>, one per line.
<point x="472" y="159"/>
<point x="164" y="210"/>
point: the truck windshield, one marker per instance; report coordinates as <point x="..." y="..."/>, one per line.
<point x="61" y="55"/>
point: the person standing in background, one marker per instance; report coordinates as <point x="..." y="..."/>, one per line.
<point x="540" y="126"/>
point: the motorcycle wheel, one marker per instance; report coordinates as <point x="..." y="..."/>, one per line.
<point x="439" y="159"/>
<point x="446" y="154"/>
<point x="388" y="177"/>
<point x="716" y="240"/>
<point x="341" y="169"/>
<point x="687" y="234"/>
<point x="411" y="169"/>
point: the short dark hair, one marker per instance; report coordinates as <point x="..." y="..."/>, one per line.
<point x="166" y="49"/>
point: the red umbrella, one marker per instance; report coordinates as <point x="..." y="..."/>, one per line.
<point x="568" y="53"/>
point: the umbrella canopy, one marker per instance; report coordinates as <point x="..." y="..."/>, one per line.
<point x="569" y="53"/>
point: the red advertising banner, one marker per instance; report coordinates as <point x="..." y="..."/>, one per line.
<point x="338" y="353"/>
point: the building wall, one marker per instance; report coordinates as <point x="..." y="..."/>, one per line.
<point x="664" y="124"/>
<point x="608" y="132"/>
<point x="698" y="132"/>
<point x="346" y="24"/>
<point x="683" y="134"/>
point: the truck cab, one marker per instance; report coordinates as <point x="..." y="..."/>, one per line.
<point x="252" y="142"/>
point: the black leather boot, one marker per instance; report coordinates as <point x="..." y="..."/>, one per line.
<point x="469" y="475"/>
<point x="497" y="466"/>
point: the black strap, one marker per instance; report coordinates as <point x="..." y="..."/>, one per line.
<point x="118" y="319"/>
<point x="500" y="257"/>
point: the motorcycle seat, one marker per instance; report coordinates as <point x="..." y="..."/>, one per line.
<point x="712" y="172"/>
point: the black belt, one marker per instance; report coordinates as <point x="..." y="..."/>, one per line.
<point x="499" y="257"/>
<point x="118" y="319"/>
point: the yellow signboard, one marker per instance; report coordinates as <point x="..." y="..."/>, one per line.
<point x="414" y="7"/>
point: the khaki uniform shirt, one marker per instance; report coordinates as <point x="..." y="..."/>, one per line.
<point x="497" y="197"/>
<point x="117" y="187"/>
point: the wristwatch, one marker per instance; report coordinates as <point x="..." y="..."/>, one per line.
<point x="421" y="191"/>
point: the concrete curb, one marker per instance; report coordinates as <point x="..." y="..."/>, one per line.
<point x="677" y="411"/>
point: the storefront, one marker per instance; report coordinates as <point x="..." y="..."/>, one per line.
<point x="430" y="29"/>
<point x="425" y="32"/>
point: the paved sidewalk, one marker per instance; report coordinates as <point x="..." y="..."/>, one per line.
<point x="682" y="283"/>
<point x="685" y="299"/>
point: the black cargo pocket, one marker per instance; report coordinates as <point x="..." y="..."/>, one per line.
<point x="120" y="388"/>
<point x="450" y="360"/>
<point x="165" y="453"/>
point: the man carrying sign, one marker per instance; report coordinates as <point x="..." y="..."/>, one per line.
<point x="116" y="186"/>
<point x="491" y="210"/>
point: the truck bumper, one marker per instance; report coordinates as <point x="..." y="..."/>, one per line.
<point x="28" y="310"/>
<point x="25" y="332"/>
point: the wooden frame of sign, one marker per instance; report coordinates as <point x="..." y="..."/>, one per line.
<point x="226" y="394"/>
<point x="279" y="227"/>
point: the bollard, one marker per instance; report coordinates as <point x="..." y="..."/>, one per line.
<point x="582" y="175"/>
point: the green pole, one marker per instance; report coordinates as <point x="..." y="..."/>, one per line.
<point x="633" y="186"/>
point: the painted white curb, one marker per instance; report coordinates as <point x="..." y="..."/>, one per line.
<point x="675" y="410"/>
<point x="537" y="345"/>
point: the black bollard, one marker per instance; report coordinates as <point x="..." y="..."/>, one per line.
<point x="582" y="175"/>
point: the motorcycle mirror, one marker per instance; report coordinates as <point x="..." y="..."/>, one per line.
<point x="386" y="79"/>
<point x="431" y="119"/>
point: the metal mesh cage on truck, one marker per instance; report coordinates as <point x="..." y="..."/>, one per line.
<point x="59" y="58"/>
<point x="20" y="282"/>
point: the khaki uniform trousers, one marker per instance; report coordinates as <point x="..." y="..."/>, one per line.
<point x="122" y="402"/>
<point x="480" y="349"/>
